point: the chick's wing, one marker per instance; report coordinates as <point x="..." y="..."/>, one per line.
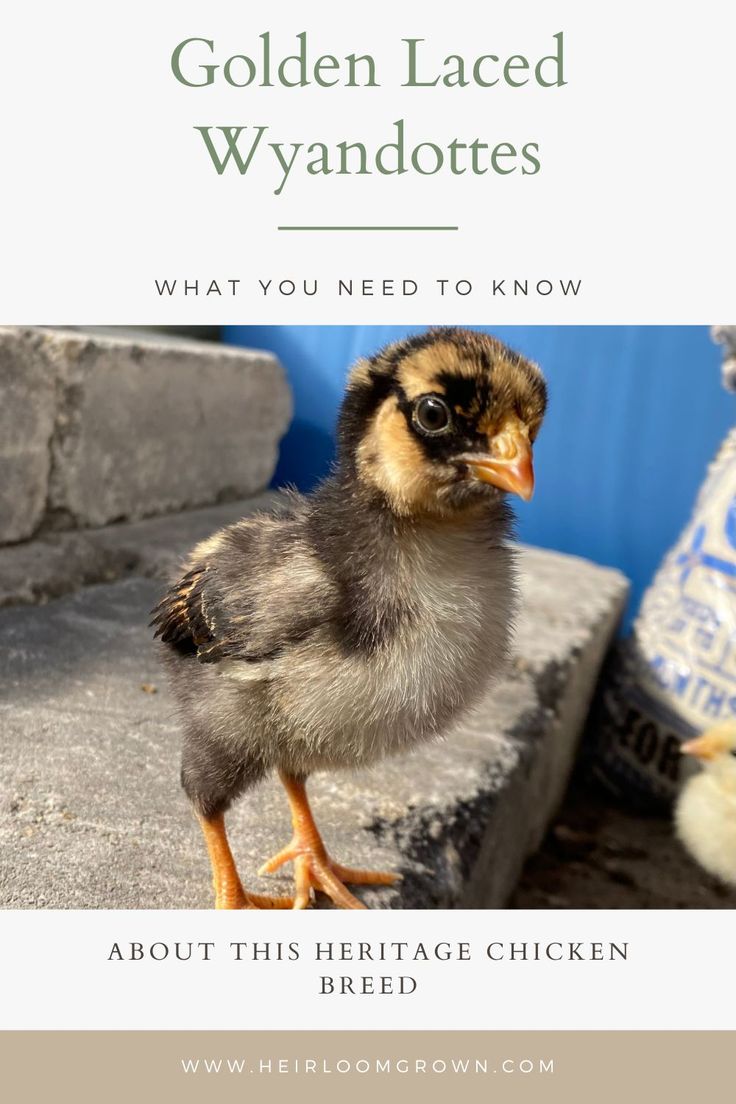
<point x="249" y="593"/>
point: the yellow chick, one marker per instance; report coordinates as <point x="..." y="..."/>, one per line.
<point x="705" y="813"/>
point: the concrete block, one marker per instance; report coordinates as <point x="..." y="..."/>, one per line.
<point x="110" y="427"/>
<point x="27" y="415"/>
<point x="91" y="814"/>
<point x="59" y="563"/>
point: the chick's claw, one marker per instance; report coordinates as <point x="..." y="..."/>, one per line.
<point x="258" y="901"/>
<point x="364" y="877"/>
<point x="252" y="901"/>
<point x="231" y="895"/>
<point x="315" y="870"/>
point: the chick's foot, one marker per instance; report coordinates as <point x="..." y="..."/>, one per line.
<point x="313" y="867"/>
<point x="235" y="897"/>
<point x="229" y="892"/>
<point x="315" y="870"/>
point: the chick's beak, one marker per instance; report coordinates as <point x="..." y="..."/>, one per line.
<point x="508" y="463"/>
<point x="705" y="747"/>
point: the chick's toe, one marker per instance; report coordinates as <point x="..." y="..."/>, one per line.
<point x="313" y="867"/>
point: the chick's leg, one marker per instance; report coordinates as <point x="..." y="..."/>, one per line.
<point x="229" y="892"/>
<point x="313" y="867"/>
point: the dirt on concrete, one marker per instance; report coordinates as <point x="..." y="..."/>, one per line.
<point x="599" y="854"/>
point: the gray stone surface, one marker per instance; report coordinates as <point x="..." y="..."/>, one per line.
<point x="103" y="427"/>
<point x="27" y="412"/>
<point x="91" y="814"/>
<point x="59" y="563"/>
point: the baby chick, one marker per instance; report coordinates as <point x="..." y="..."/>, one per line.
<point x="365" y="617"/>
<point x="705" y="813"/>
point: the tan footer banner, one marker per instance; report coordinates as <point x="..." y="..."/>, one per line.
<point x="549" y="1066"/>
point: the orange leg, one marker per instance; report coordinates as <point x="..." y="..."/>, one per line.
<point x="313" y="867"/>
<point x="229" y="892"/>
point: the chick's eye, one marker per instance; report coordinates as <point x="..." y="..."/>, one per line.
<point x="431" y="414"/>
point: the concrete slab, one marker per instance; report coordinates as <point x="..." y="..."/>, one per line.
<point x="27" y="414"/>
<point x="99" y="427"/>
<point x="59" y="563"/>
<point x="91" y="814"/>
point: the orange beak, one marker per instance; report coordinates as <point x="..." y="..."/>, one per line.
<point x="708" y="746"/>
<point x="508" y="464"/>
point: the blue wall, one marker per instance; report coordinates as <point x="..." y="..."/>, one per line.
<point x="635" y="415"/>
